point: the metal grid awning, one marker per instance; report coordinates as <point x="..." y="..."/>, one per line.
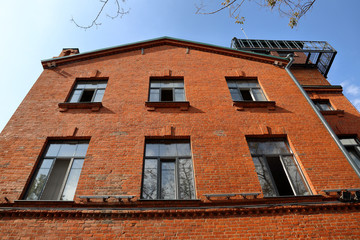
<point x="319" y="53"/>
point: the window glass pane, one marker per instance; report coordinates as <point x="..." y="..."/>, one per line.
<point x="276" y="147"/>
<point x="178" y="83"/>
<point x="81" y="149"/>
<point x="46" y="163"/>
<point x="152" y="150"/>
<point x="242" y="84"/>
<point x="99" y="95"/>
<point x="348" y="141"/>
<point x="53" y="149"/>
<point x="67" y="150"/>
<point x="168" y="180"/>
<point x="295" y="176"/>
<point x="258" y="94"/>
<point x="235" y="94"/>
<point x="264" y="176"/>
<point x="78" y="163"/>
<point x="75" y="96"/>
<point x="186" y="179"/>
<point x="155" y="84"/>
<point x="325" y="106"/>
<point x="72" y="181"/>
<point x="168" y="150"/>
<point x="149" y="190"/>
<point x="101" y="85"/>
<point x="38" y="184"/>
<point x="279" y="176"/>
<point x="56" y="180"/>
<point x="231" y="84"/>
<point x="80" y="86"/>
<point x="91" y="86"/>
<point x="154" y="95"/>
<point x="355" y="156"/>
<point x="179" y="95"/>
<point x="183" y="149"/>
<point x="167" y="84"/>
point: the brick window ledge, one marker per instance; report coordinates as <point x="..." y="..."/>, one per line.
<point x="184" y="105"/>
<point x="270" y="105"/>
<point x="94" y="106"/>
<point x="340" y="113"/>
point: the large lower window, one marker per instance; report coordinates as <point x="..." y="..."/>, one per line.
<point x="58" y="173"/>
<point x="166" y="91"/>
<point x="168" y="171"/>
<point x="88" y="91"/>
<point x="353" y="146"/>
<point x="277" y="169"/>
<point x="245" y="90"/>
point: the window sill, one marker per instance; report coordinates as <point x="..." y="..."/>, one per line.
<point x="94" y="106"/>
<point x="184" y="106"/>
<point x="270" y="105"/>
<point x="340" y="113"/>
<point x="44" y="202"/>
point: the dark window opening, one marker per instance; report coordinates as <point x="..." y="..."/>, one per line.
<point x="166" y="95"/>
<point x="246" y="95"/>
<point x="87" y="96"/>
<point x="88" y="91"/>
<point x="277" y="169"/>
<point x="279" y="176"/>
<point x="245" y="90"/>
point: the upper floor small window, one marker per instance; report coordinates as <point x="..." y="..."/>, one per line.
<point x="245" y="90"/>
<point x="353" y="146"/>
<point x="58" y="173"/>
<point x="277" y="169"/>
<point x="323" y="104"/>
<point x="168" y="171"/>
<point x="88" y="91"/>
<point x="166" y="91"/>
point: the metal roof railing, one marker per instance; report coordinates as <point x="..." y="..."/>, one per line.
<point x="319" y="53"/>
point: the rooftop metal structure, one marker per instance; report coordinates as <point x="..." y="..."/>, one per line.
<point x="319" y="53"/>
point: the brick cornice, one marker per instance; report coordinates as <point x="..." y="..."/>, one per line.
<point x="177" y="213"/>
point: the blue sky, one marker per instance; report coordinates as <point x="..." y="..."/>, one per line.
<point x="39" y="29"/>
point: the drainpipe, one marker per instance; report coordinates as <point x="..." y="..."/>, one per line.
<point x="322" y="119"/>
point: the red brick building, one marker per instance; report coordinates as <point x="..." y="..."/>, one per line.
<point x="169" y="138"/>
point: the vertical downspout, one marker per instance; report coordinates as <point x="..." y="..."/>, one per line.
<point x="322" y="119"/>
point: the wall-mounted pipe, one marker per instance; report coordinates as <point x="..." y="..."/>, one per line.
<point x="322" y="119"/>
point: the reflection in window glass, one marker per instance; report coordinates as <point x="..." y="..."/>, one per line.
<point x="352" y="145"/>
<point x="277" y="170"/>
<point x="245" y="90"/>
<point x="57" y="178"/>
<point x="168" y="171"/>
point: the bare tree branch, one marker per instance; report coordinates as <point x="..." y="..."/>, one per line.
<point x="120" y="12"/>
<point x="293" y="9"/>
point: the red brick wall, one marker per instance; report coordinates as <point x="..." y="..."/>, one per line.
<point x="332" y="225"/>
<point x="221" y="157"/>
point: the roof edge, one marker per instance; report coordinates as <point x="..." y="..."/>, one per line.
<point x="132" y="46"/>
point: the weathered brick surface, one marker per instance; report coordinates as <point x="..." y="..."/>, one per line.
<point x="334" y="225"/>
<point x="221" y="157"/>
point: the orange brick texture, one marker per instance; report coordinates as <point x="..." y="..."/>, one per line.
<point x="325" y="226"/>
<point x="217" y="132"/>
